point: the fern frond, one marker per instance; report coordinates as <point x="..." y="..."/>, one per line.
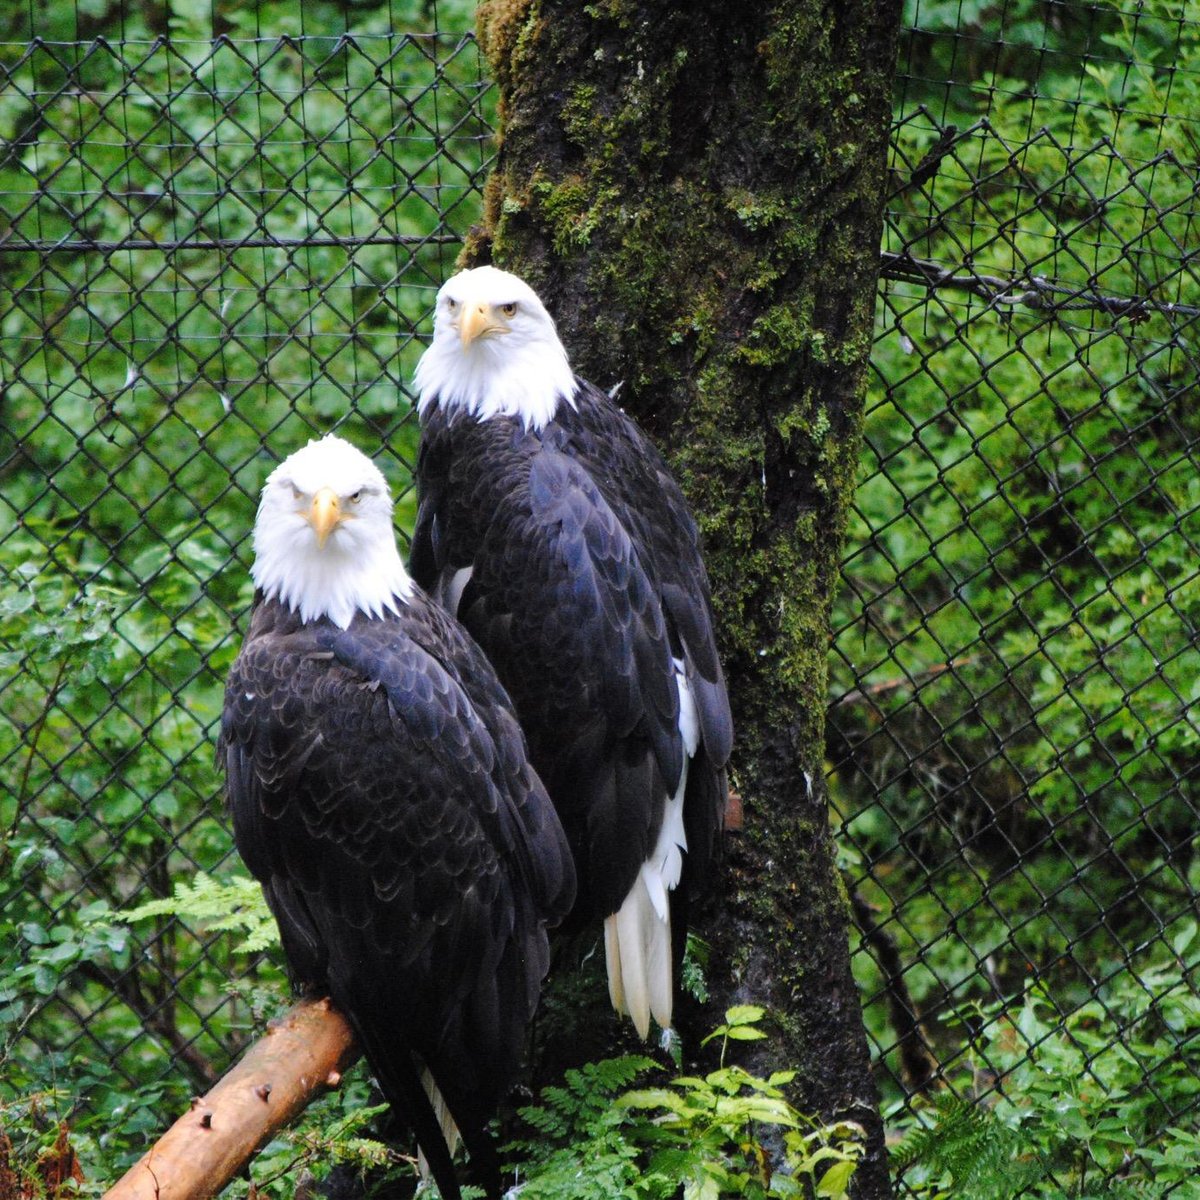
<point x="236" y="905"/>
<point x="970" y="1144"/>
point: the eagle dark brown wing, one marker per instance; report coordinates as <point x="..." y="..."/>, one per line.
<point x="380" y="791"/>
<point x="569" y="553"/>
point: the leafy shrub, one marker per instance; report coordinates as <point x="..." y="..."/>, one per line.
<point x="1093" y="1102"/>
<point x="726" y="1133"/>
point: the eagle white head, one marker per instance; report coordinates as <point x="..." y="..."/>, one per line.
<point x="323" y="540"/>
<point x="495" y="351"/>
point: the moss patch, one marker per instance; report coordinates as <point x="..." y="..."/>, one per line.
<point x="696" y="192"/>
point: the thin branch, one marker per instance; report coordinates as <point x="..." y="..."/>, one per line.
<point x="915" y="680"/>
<point x="153" y="1018"/>
<point x="23" y="786"/>
<point x="1036" y="292"/>
<point x="917" y="1062"/>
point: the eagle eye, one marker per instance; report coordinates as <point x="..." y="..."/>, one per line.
<point x="357" y="496"/>
<point x="297" y="494"/>
<point x="509" y="309"/>
<point x="451" y="304"/>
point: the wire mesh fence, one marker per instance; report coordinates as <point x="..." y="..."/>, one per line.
<point x="1012" y="730"/>
<point x="210" y="249"/>
<point x="211" y="246"/>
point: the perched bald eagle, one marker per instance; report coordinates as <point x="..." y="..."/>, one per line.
<point x="554" y="530"/>
<point x="381" y="793"/>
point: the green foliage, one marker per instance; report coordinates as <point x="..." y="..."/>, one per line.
<point x="726" y="1133"/>
<point x="38" y="1156"/>
<point x="967" y="1147"/>
<point x="237" y="905"/>
<point x="577" y="1141"/>
<point x="335" y="1132"/>
<point x="51" y="953"/>
<point x="87" y="775"/>
<point x="338" y="1133"/>
<point x="103" y="769"/>
<point x="145" y="395"/>
<point x="1015" y="739"/>
<point x="693" y="979"/>
<point x="741" y="1025"/>
<point x="1029" y="484"/>
<point x="1075" y="1105"/>
<point x="1016" y="640"/>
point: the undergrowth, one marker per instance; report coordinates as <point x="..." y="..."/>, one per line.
<point x="725" y="1133"/>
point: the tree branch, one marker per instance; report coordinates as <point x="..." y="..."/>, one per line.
<point x="919" y="1065"/>
<point x="125" y="987"/>
<point x="302" y="1053"/>
<point x="1032" y="292"/>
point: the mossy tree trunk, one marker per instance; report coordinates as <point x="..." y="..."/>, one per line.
<point x="696" y="192"/>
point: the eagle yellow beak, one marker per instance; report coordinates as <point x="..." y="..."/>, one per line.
<point x="478" y="320"/>
<point x="325" y="515"/>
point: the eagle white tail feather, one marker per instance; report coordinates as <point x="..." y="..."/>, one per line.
<point x="445" y="1120"/>
<point x="637" y="937"/>
<point x="638" y="946"/>
<point x="662" y="870"/>
<point x="612" y="959"/>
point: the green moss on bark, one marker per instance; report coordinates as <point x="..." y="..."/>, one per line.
<point x="696" y="192"/>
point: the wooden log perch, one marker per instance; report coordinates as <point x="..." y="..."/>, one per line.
<point x="301" y="1054"/>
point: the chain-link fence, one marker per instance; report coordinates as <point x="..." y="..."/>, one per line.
<point x="212" y="246"/>
<point x="1012" y="733"/>
<point x="210" y="249"/>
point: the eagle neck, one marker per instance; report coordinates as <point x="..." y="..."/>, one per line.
<point x="334" y="583"/>
<point x="529" y="385"/>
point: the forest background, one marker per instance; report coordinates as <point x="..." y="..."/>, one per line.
<point x="211" y="248"/>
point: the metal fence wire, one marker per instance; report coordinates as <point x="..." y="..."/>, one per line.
<point x="212" y="247"/>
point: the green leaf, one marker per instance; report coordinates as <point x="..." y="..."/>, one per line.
<point x="650" y="1098"/>
<point x="836" y="1180"/>
<point x="45" y="980"/>
<point x="237" y="905"/>
<point x="35" y="935"/>
<point x="744" y="1033"/>
<point x="744" y="1014"/>
<point x="1184" y="938"/>
<point x="770" y="1112"/>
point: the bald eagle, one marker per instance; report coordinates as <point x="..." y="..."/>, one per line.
<point x="381" y="793"/>
<point x="554" y="530"/>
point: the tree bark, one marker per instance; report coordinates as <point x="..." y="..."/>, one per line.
<point x="303" y="1053"/>
<point x="696" y="192"/>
